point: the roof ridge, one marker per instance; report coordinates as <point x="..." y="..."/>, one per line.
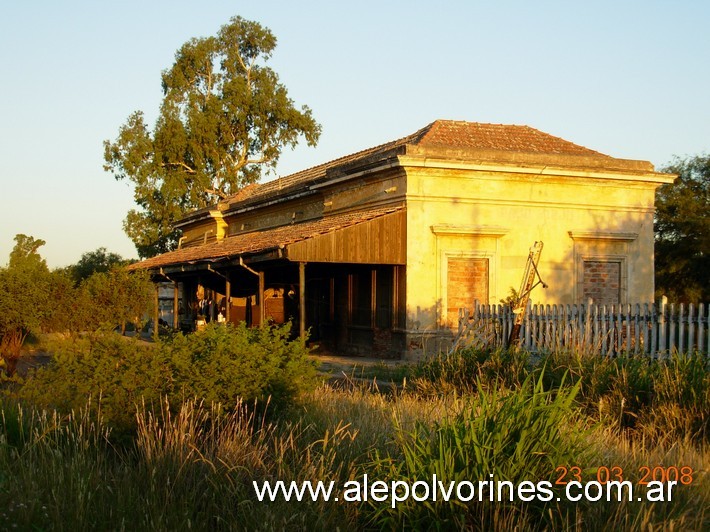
<point x="384" y="145"/>
<point x="500" y="137"/>
<point x="454" y="134"/>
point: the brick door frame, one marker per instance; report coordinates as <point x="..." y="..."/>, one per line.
<point x="465" y="242"/>
<point x="443" y="296"/>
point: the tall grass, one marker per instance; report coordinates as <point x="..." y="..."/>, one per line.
<point x="190" y="470"/>
<point x="192" y="467"/>
<point x="503" y="435"/>
<point x="52" y="466"/>
<point x="659" y="399"/>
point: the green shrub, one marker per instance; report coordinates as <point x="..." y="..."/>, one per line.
<point x="113" y="372"/>
<point x="222" y="364"/>
<point x="234" y="363"/>
<point x="645" y="397"/>
<point x="638" y="395"/>
<point x="679" y="409"/>
<point x="459" y="368"/>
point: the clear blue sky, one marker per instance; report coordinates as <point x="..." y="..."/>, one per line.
<point x="630" y="79"/>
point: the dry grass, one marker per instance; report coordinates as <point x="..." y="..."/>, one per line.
<point x="194" y="467"/>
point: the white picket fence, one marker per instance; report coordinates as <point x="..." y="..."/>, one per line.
<point x="641" y="329"/>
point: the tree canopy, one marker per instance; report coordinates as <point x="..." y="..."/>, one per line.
<point x="225" y="117"/>
<point x="34" y="299"/>
<point x="24" y="300"/>
<point x="99" y="261"/>
<point x="117" y="297"/>
<point x="24" y="256"/>
<point x="683" y="232"/>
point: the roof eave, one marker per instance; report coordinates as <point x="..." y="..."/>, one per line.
<point x="560" y="166"/>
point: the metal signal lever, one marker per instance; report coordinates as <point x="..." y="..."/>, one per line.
<point x="531" y="278"/>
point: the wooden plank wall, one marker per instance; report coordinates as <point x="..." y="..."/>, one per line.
<point x="378" y="241"/>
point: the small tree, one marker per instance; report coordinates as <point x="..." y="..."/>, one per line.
<point x="24" y="256"/>
<point x="68" y="307"/>
<point x="683" y="232"/>
<point x="224" y="117"/>
<point x="33" y="299"/>
<point x="24" y="300"/>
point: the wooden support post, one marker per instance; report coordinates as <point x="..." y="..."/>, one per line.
<point x="176" y="318"/>
<point x="302" y="299"/>
<point x="227" y="297"/>
<point x="331" y="308"/>
<point x="262" y="301"/>
<point x="156" y="312"/>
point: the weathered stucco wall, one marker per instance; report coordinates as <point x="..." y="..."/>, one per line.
<point x="498" y="213"/>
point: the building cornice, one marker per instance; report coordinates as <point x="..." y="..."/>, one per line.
<point x="537" y="170"/>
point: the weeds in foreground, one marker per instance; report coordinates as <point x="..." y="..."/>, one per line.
<point x="511" y="436"/>
<point x="193" y="466"/>
<point x="644" y="397"/>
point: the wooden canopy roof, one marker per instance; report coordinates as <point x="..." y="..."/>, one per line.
<point x="390" y="250"/>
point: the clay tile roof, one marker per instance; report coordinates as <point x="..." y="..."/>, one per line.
<point x="498" y="137"/>
<point x="290" y="182"/>
<point x="258" y="241"/>
<point x="452" y="134"/>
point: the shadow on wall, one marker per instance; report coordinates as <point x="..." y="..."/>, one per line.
<point x="609" y="259"/>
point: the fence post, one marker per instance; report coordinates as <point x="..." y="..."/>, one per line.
<point x="671" y="326"/>
<point x="637" y="329"/>
<point x="701" y="317"/>
<point x="653" y="330"/>
<point x="692" y="343"/>
<point x="588" y="325"/>
<point x="662" y="325"/>
<point x="681" y="330"/>
<point x="527" y="326"/>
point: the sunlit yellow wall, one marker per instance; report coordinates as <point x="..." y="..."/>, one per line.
<point x="499" y="213"/>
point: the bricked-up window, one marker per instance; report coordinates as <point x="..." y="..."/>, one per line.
<point x="467" y="280"/>
<point x="602" y="281"/>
